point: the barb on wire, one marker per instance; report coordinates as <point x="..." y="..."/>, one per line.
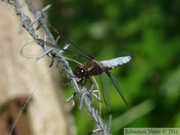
<point x="85" y="94"/>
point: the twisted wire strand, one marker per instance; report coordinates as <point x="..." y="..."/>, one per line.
<point x="85" y="94"/>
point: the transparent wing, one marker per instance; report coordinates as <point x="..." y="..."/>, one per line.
<point x="116" y="62"/>
<point x="105" y="89"/>
<point x="115" y="83"/>
<point x="64" y="49"/>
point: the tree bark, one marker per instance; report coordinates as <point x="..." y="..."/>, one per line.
<point x="23" y="78"/>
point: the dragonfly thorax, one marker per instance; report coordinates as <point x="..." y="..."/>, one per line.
<point x="91" y="68"/>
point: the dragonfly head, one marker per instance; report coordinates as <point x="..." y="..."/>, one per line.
<point x="80" y="72"/>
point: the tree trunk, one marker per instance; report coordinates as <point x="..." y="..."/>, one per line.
<point x="22" y="79"/>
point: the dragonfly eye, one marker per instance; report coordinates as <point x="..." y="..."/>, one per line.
<point x="80" y="72"/>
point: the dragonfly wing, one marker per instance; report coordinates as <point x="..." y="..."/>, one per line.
<point x="47" y="43"/>
<point x="116" y="62"/>
<point x="115" y="83"/>
<point x="105" y="89"/>
<point x="65" y="48"/>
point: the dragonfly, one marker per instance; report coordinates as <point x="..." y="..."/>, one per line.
<point x="93" y="68"/>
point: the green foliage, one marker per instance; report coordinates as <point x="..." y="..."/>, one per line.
<point x="148" y="30"/>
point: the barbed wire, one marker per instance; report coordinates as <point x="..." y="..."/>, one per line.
<point x="84" y="93"/>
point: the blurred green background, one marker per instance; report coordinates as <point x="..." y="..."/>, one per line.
<point x="150" y="31"/>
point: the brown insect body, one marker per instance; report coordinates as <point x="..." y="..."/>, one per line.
<point x="91" y="68"/>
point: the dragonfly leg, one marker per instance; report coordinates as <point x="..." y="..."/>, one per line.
<point x="80" y="83"/>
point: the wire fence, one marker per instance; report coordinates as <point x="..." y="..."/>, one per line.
<point x="85" y="94"/>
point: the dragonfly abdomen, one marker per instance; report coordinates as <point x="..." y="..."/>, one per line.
<point x="113" y="63"/>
